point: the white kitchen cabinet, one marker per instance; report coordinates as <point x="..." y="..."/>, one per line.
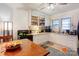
<point x="40" y="38"/>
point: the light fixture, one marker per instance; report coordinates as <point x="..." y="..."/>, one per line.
<point x="50" y="6"/>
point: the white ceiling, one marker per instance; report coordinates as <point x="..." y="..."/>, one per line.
<point x="58" y="8"/>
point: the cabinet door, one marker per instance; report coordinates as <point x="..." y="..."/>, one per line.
<point x="41" y="38"/>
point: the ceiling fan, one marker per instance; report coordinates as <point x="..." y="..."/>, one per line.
<point x="52" y="5"/>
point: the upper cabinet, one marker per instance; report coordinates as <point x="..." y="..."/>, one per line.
<point x="34" y="20"/>
<point x="38" y="21"/>
<point x="42" y="21"/>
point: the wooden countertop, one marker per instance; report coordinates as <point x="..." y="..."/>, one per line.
<point x="28" y="48"/>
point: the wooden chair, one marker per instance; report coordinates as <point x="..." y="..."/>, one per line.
<point x="5" y="38"/>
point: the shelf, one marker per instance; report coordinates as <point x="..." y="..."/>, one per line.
<point x="36" y="20"/>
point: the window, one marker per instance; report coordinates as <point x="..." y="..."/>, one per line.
<point x="66" y="23"/>
<point x="56" y="24"/>
<point x="1" y="28"/>
<point x="62" y="25"/>
<point x="6" y="28"/>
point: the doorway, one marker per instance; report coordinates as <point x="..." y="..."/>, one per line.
<point x="6" y="30"/>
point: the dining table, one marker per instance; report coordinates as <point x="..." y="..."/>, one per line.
<point x="27" y="48"/>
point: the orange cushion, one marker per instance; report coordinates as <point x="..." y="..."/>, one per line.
<point x="65" y="50"/>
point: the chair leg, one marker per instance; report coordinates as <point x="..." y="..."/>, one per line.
<point x="78" y="51"/>
<point x="1" y="40"/>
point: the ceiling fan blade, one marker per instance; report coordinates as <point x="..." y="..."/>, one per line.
<point x="42" y="8"/>
<point x="62" y="3"/>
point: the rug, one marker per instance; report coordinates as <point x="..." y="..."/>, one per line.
<point x="55" y="52"/>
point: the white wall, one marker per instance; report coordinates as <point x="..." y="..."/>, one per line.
<point x="5" y="13"/>
<point x="47" y="21"/>
<point x="21" y="20"/>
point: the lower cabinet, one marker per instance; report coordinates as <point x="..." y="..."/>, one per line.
<point x="40" y="38"/>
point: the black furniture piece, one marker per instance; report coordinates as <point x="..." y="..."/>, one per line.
<point x="68" y="31"/>
<point x="74" y="32"/>
<point x="25" y="34"/>
<point x="47" y="29"/>
<point x="78" y="38"/>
